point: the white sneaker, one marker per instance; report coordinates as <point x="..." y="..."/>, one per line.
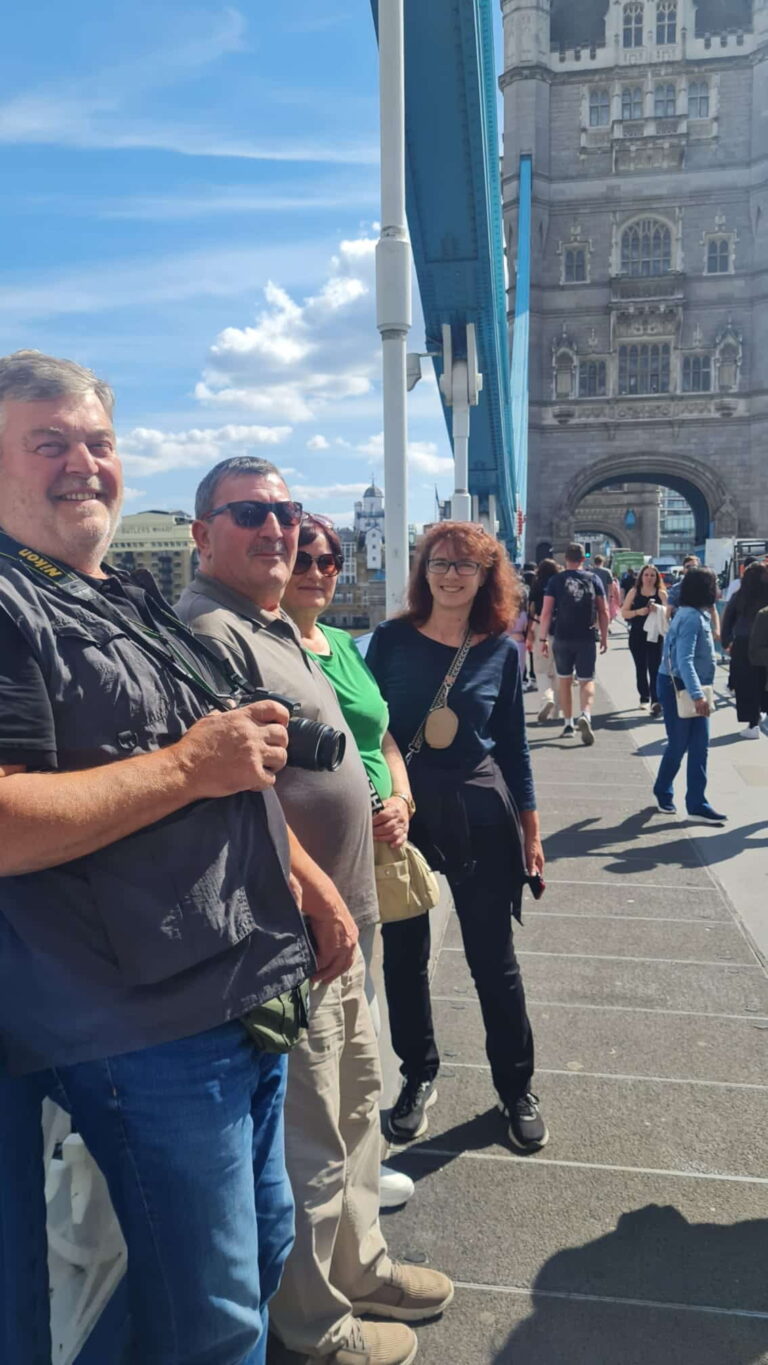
<point x="751" y="732"/>
<point x="395" y="1188"/>
<point x="585" y="728"/>
<point x="546" y="711"/>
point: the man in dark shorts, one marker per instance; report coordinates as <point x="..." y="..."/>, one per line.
<point x="575" y="612"/>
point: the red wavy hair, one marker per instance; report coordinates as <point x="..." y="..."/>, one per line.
<point x="498" y="599"/>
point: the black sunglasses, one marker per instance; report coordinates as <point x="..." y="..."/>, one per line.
<point x="327" y="564"/>
<point x="250" y="513"/>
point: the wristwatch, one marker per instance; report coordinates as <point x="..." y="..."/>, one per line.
<point x="409" y="801"/>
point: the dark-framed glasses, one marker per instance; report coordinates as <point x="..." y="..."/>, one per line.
<point x="248" y="513"/>
<point x="326" y="564"/>
<point x="465" y="568"/>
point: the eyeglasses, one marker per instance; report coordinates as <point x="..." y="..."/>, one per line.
<point x="250" y="513"/>
<point x="327" y="564"/>
<point x="465" y="568"/>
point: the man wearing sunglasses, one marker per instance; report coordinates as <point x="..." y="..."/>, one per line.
<point x="247" y="533"/>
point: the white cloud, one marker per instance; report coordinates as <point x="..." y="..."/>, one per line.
<point x="130" y="494"/>
<point x="155" y="452"/>
<point x="422" y="455"/>
<point x="319" y="493"/>
<point x="234" y="200"/>
<point x="297" y="359"/>
<point x="318" y="443"/>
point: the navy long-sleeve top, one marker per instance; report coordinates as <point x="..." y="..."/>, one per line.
<point x="487" y="698"/>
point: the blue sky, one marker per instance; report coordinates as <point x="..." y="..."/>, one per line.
<point x="190" y="205"/>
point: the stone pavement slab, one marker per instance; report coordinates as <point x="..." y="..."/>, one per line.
<point x="697" y="987"/>
<point x="620" y="1042"/>
<point x="612" y="900"/>
<point x="624" y="938"/>
<point x="512" y="1327"/>
<point x="688" y="1127"/>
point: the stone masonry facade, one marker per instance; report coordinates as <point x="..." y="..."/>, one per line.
<point x="647" y="123"/>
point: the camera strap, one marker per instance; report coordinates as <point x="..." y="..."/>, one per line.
<point x="170" y="647"/>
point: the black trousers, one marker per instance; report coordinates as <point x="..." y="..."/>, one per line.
<point x="647" y="656"/>
<point x="748" y="683"/>
<point x="483" y="906"/>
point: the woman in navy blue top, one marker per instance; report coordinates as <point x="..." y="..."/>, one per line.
<point x="475" y="817"/>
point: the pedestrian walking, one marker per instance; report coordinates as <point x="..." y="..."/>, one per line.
<point x="575" y="610"/>
<point x="451" y="678"/>
<point x="684" y="683"/>
<point x="611" y="586"/>
<point x="544" y="664"/>
<point x="748" y="679"/>
<point x="643" y="607"/>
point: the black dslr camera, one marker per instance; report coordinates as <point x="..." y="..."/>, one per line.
<point x="311" y="744"/>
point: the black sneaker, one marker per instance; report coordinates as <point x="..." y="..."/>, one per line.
<point x="568" y="731"/>
<point x="408" y="1119"/>
<point x="527" y="1130"/>
<point x="656" y="709"/>
<point x="708" y="815"/>
<point x="666" y="807"/>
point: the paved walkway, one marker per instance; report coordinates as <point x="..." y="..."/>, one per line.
<point x="640" y="1235"/>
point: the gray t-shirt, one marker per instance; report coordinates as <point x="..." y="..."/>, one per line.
<point x="330" y="813"/>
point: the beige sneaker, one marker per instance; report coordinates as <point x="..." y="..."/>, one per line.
<point x="411" y="1294"/>
<point x="376" y="1343"/>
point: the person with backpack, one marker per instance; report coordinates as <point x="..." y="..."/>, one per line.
<point x="575" y="613"/>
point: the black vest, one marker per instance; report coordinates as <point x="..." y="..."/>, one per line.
<point x="178" y="892"/>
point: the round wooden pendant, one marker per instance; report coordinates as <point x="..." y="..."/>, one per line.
<point x="441" y="728"/>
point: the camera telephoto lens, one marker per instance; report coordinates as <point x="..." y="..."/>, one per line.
<point x="315" y="746"/>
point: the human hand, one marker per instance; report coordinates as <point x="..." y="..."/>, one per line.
<point x="534" y="855"/>
<point x="335" y="936"/>
<point x="390" y="825"/>
<point x="234" y="751"/>
<point x="603" y="646"/>
<point x="545" y="648"/>
<point x="642" y="611"/>
<point x="702" y="706"/>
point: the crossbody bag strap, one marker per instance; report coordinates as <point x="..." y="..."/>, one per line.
<point x="441" y="695"/>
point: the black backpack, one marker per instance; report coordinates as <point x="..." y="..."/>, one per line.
<point x="576" y="607"/>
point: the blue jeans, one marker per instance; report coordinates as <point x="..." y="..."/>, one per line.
<point x="25" y="1337"/>
<point x="689" y="737"/>
<point x="189" y="1136"/>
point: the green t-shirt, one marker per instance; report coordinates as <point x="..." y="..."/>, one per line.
<point x="364" y="708"/>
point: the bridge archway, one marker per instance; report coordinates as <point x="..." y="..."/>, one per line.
<point x="712" y="506"/>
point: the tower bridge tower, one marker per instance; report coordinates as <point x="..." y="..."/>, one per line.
<point x="646" y="123"/>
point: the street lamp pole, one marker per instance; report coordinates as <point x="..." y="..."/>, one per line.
<point x="393" y="296"/>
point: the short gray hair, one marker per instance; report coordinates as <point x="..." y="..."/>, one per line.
<point x="205" y="497"/>
<point x="32" y="377"/>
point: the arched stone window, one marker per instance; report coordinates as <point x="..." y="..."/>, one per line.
<point x="633" y="24"/>
<point x="666" y="22"/>
<point x="599" y="107"/>
<point x="644" y="369"/>
<point x="632" y="102"/>
<point x="698" y="99"/>
<point x="665" y="100"/>
<point x="565" y="366"/>
<point x="646" y="248"/>
<point x="719" y="256"/>
<point x="575" y="268"/>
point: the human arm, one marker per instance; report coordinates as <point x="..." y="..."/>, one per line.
<point x="728" y="623"/>
<point x="602" y="620"/>
<point x="545" y="621"/>
<point x="51" y="817"/>
<point x="685" y="650"/>
<point x="532" y="845"/>
<point x="714" y="618"/>
<point x="513" y="757"/>
<point x="628" y="610"/>
<point x="333" y="928"/>
<point x="390" y="825"/>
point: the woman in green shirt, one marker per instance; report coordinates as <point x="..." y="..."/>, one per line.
<point x="310" y="590"/>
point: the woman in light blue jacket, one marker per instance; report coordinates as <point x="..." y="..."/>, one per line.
<point x="688" y="662"/>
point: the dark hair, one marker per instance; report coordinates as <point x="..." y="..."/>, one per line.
<point x="529" y="577"/>
<point x="312" y="527"/>
<point x="546" y="569"/>
<point x="205" y="497"/>
<point x="498" y="599"/>
<point x="698" y="588"/>
<point x="658" y="585"/>
<point x="599" y="560"/>
<point x="574" y="553"/>
<point x="529" y="566"/>
<point x="692" y="559"/>
<point x="753" y="593"/>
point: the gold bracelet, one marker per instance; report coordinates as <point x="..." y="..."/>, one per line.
<point x="409" y="801"/>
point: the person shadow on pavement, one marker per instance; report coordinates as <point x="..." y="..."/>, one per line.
<point x="648" y="1293"/>
<point x="589" y="838"/>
